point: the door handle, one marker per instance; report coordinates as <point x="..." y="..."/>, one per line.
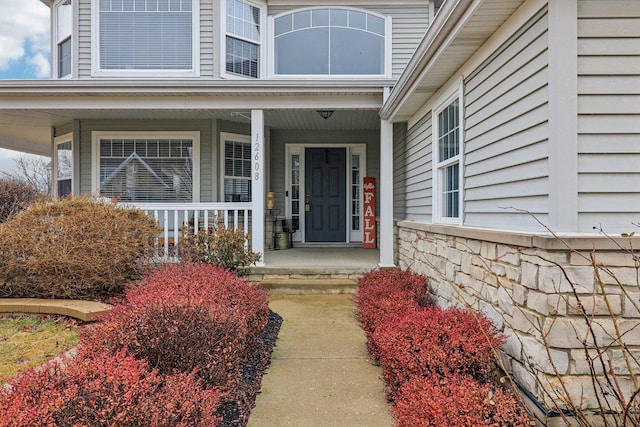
<point x="307" y="204"/>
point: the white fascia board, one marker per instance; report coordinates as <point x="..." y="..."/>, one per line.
<point x="211" y="87"/>
<point x="190" y="102"/>
<point x="47" y="3"/>
<point x="438" y="32"/>
<point x="506" y="31"/>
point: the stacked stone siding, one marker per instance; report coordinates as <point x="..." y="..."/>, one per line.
<point x="530" y="286"/>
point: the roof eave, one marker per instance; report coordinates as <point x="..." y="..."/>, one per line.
<point x="446" y="20"/>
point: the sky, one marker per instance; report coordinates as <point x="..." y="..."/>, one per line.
<point x="24" y="48"/>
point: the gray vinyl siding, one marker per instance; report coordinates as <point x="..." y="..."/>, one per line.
<point x="84" y="39"/>
<point x="399" y="170"/>
<point x="279" y="139"/>
<point x="608" y="115"/>
<point x="203" y="126"/>
<point x="208" y="39"/>
<point x="413" y="187"/>
<point x="209" y="24"/>
<point x="409" y="23"/>
<point x="506" y="133"/>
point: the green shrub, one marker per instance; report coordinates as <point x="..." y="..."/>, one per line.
<point x="16" y="196"/>
<point x="73" y="248"/>
<point x="222" y="247"/>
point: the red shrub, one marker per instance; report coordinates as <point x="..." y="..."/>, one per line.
<point x="436" y="341"/>
<point x="184" y="317"/>
<point x="385" y="292"/>
<point x="105" y="390"/>
<point x="456" y="401"/>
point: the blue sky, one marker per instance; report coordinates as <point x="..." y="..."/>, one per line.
<point x="24" y="37"/>
<point x="24" y="48"/>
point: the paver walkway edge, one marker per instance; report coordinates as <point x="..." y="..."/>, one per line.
<point x="320" y="374"/>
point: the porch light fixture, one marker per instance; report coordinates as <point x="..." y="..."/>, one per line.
<point x="325" y="114"/>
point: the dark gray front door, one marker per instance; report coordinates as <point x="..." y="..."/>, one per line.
<point x="325" y="204"/>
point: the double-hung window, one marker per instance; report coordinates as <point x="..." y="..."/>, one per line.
<point x="448" y="169"/>
<point x="151" y="37"/>
<point x="147" y="167"/>
<point x="242" y="40"/>
<point x="63" y="164"/>
<point x="237" y="167"/>
<point x="63" y="30"/>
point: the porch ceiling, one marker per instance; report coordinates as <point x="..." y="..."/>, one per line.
<point x="458" y="31"/>
<point x="29" y="109"/>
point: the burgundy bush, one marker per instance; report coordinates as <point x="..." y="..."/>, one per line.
<point x="184" y="317"/>
<point x="104" y="390"/>
<point x="384" y="292"/>
<point x="436" y="341"/>
<point x="456" y="401"/>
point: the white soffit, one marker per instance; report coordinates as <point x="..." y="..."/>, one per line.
<point x="459" y="30"/>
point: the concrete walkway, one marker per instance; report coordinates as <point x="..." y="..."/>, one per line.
<point x="320" y="373"/>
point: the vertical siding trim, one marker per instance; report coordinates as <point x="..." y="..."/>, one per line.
<point x="563" y="115"/>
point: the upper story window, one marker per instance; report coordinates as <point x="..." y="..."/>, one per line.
<point x="330" y="41"/>
<point x="242" y="38"/>
<point x="63" y="30"/>
<point x="135" y="36"/>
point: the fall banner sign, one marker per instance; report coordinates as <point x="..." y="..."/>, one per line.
<point x="369" y="194"/>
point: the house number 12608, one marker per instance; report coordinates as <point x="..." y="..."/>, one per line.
<point x="256" y="164"/>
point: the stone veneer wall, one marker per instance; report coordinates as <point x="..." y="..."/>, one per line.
<point x="515" y="279"/>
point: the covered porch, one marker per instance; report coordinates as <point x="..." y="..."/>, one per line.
<point x="279" y="123"/>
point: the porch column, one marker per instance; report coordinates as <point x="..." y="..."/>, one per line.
<point x="257" y="186"/>
<point x="386" y="194"/>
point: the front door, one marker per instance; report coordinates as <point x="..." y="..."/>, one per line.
<point x="325" y="201"/>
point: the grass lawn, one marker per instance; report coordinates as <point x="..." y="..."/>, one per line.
<point x="31" y="340"/>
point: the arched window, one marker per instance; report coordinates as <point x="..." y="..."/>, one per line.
<point x="329" y="41"/>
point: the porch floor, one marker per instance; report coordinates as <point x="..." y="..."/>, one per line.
<point x="302" y="270"/>
<point x="319" y="260"/>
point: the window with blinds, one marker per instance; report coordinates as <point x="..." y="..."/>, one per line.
<point x="242" y="38"/>
<point x="237" y="171"/>
<point x="145" y="34"/>
<point x="147" y="170"/>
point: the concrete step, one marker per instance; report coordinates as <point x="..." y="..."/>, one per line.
<point x="309" y="286"/>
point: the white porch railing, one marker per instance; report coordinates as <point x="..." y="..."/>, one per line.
<point x="174" y="218"/>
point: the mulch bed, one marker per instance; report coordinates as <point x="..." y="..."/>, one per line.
<point x="236" y="413"/>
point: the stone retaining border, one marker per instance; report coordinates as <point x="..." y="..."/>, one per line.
<point x="82" y="310"/>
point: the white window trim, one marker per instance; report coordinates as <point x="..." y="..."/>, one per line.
<point x="300" y="149"/>
<point x="262" y="43"/>
<point x="361" y="150"/>
<point x="224" y="137"/>
<point x="96" y="136"/>
<point x="388" y="62"/>
<point x="62" y="139"/>
<point x="95" y="49"/>
<point x="439" y="166"/>
<point x="55" y="71"/>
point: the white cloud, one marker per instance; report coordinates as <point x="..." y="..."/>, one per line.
<point x="21" y="22"/>
<point x="40" y="65"/>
